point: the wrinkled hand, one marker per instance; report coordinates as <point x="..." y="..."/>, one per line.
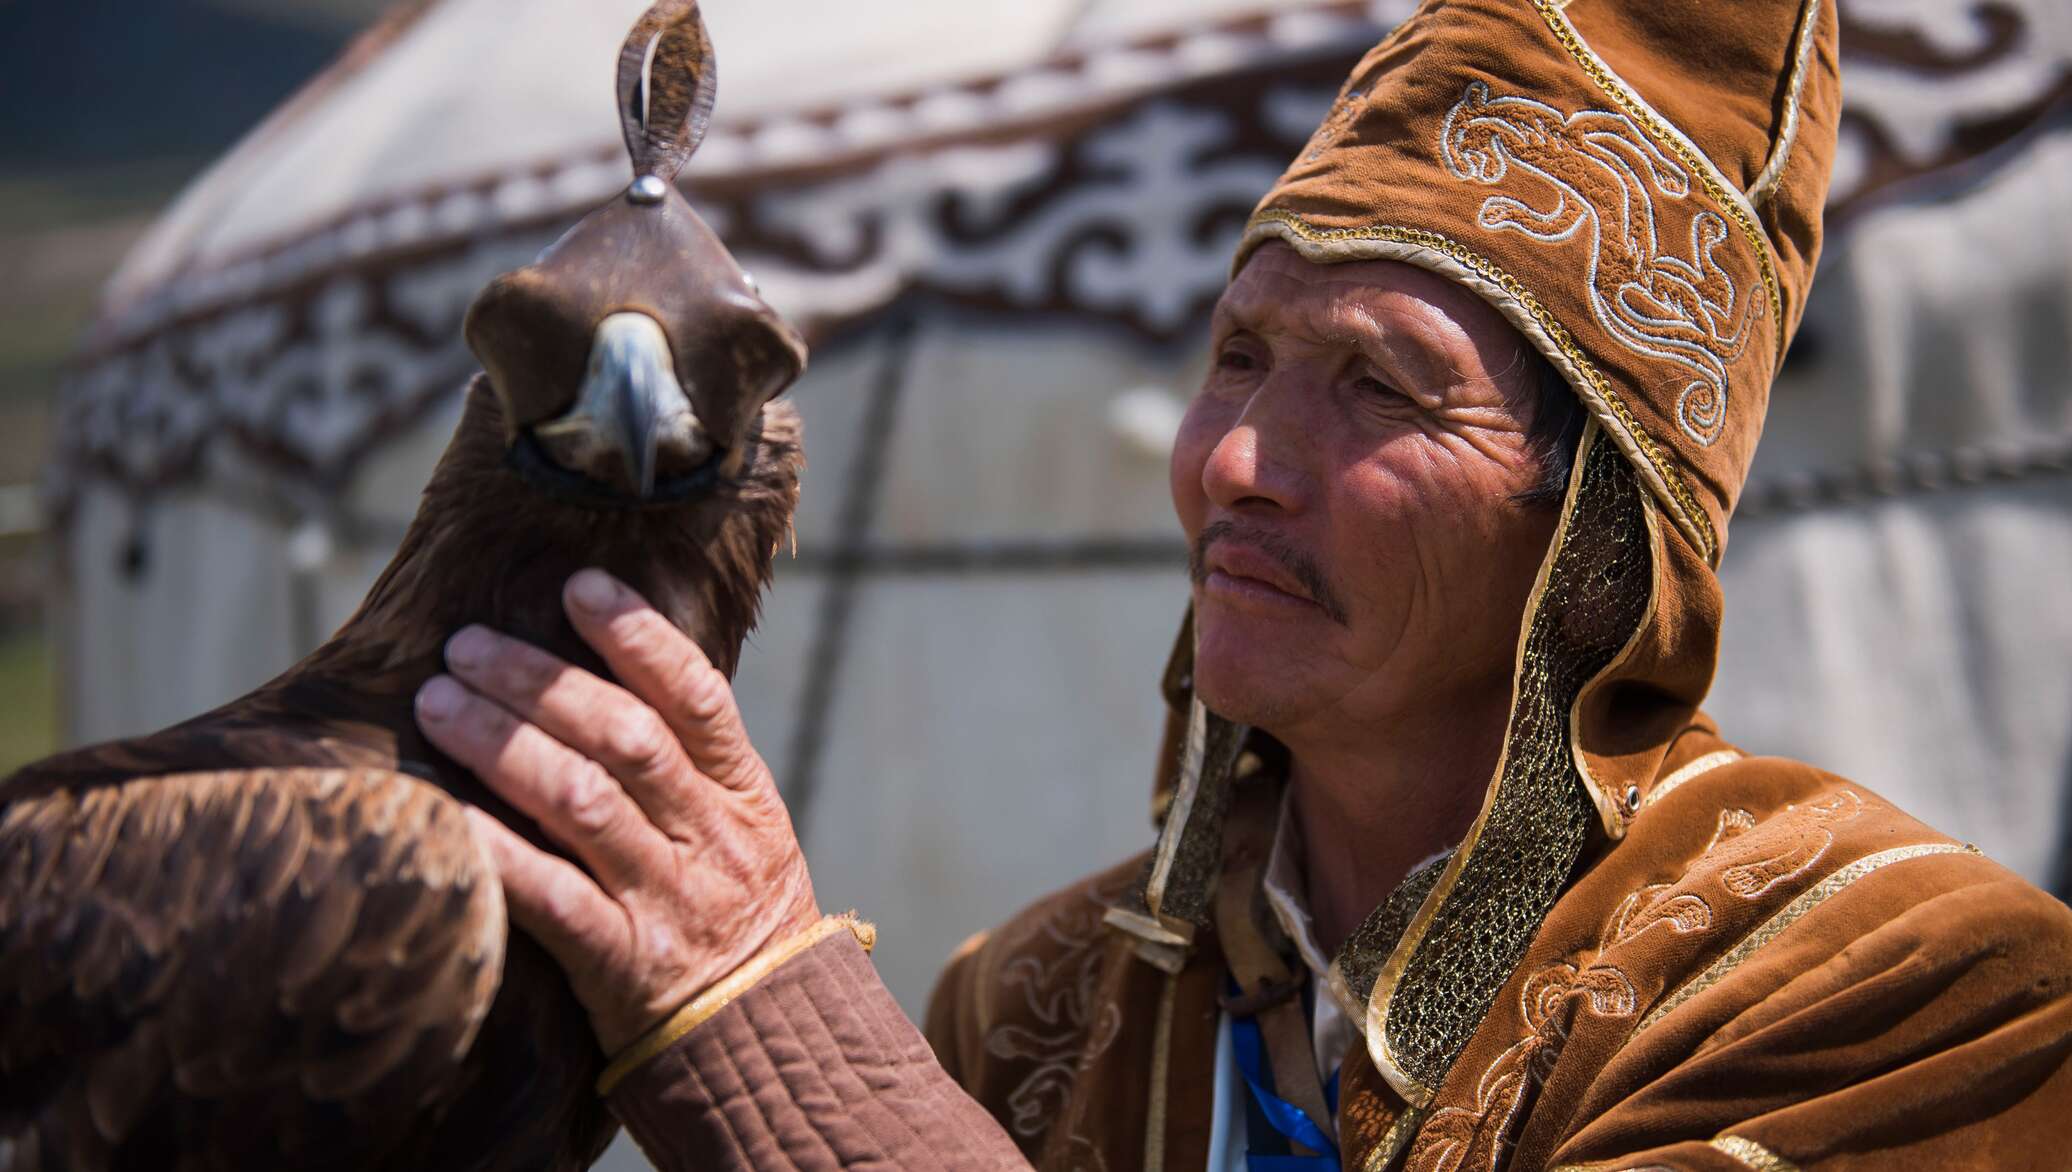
<point x="653" y="785"/>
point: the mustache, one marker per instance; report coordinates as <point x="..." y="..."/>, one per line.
<point x="1300" y="566"/>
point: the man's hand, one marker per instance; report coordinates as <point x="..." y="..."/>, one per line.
<point x="653" y="785"/>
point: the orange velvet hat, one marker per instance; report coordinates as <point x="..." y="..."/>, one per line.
<point x="1637" y="187"/>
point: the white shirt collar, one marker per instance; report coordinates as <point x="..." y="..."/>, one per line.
<point x="1332" y="1029"/>
<point x="1333" y="1026"/>
<point x="1287" y="891"/>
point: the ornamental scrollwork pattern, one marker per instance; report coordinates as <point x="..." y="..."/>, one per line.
<point x="1606" y="183"/>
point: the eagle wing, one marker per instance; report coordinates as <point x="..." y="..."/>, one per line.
<point x="254" y="963"/>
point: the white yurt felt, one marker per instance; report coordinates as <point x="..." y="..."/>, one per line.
<point x="1003" y="225"/>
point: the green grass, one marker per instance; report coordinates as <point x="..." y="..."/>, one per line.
<point x="61" y="233"/>
<point x="28" y="698"/>
<point x="332" y="16"/>
<point x="62" y="196"/>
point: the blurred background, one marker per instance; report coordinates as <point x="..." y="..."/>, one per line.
<point x="239" y="236"/>
<point x="107" y="108"/>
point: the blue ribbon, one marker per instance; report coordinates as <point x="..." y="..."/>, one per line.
<point x="1291" y="1121"/>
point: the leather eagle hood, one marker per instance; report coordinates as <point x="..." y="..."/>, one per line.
<point x="1638" y="189"/>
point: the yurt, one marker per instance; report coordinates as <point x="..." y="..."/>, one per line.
<point x="1002" y="226"/>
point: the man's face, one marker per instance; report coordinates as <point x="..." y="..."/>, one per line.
<point x="1345" y="477"/>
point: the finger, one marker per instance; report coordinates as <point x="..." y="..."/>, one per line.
<point x="668" y="669"/>
<point x="596" y="719"/>
<point x="550" y="899"/>
<point x="573" y="799"/>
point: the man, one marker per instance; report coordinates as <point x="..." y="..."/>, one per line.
<point x="1452" y="872"/>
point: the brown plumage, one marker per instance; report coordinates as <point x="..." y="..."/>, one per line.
<point x="264" y="937"/>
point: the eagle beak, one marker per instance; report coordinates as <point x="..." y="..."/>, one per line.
<point x="631" y="417"/>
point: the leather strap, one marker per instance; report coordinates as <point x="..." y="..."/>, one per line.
<point x="1265" y="982"/>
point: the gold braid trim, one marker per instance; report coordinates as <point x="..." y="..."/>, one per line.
<point x="702" y="1007"/>
<point x="1794" y="911"/>
<point x="1682" y="503"/>
<point x="1765" y="184"/>
<point x="1753" y="1154"/>
<point x="1744" y="1150"/>
<point x="1392" y="1143"/>
<point x="1697" y="767"/>
<point x="1667" y="135"/>
<point x="1161" y="1074"/>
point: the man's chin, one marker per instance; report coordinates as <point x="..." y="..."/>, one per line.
<point x="1239" y="709"/>
<point x="1243" y="679"/>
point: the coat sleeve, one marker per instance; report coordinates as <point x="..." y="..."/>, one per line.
<point x="1940" y="1038"/>
<point x="952" y="1025"/>
<point x="814" y="1067"/>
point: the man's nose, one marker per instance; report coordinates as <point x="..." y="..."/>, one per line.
<point x="1257" y="463"/>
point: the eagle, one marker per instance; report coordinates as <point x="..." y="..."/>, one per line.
<point x="265" y="937"/>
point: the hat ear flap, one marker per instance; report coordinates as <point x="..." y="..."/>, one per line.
<point x="1177" y="688"/>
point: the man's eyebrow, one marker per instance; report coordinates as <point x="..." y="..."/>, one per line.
<point x="1268" y="315"/>
<point x="1396" y="345"/>
<point x="1231" y="315"/>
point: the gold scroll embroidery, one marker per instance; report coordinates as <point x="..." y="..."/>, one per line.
<point x="1068" y="1023"/>
<point x="1752" y="878"/>
<point x="1773" y="927"/>
<point x="1733" y="823"/>
<point x="1736" y="206"/>
<point x="1457" y="1134"/>
<point x="1607" y="186"/>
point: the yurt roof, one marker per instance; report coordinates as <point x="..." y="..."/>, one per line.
<point x="301" y="300"/>
<point x="508" y="102"/>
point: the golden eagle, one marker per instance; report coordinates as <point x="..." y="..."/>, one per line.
<point x="264" y="938"/>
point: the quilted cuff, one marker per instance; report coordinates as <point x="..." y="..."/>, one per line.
<point x="811" y="1066"/>
<point x="719" y="996"/>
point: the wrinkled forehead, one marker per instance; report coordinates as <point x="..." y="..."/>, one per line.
<point x="1362" y="304"/>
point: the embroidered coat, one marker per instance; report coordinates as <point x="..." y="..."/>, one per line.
<point x="1649" y="951"/>
<point x="1646" y="951"/>
<point x="1773" y="969"/>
